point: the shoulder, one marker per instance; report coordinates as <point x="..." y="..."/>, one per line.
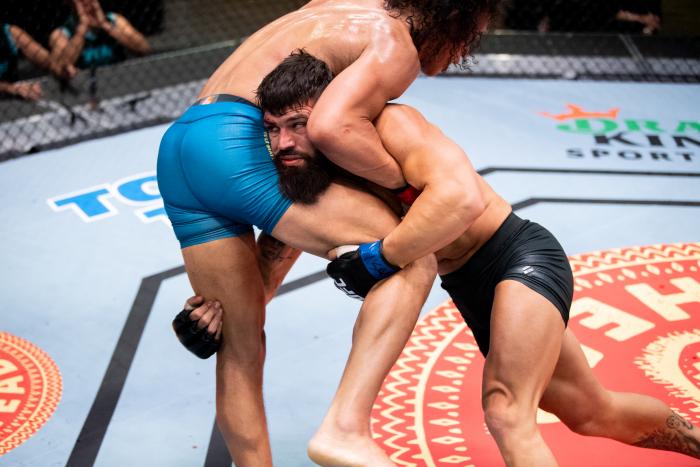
<point x="391" y="36"/>
<point x="405" y="117"/>
<point x="404" y="132"/>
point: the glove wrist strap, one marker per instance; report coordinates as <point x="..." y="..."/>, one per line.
<point x="374" y="260"/>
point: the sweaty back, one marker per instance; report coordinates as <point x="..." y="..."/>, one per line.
<point x="334" y="31"/>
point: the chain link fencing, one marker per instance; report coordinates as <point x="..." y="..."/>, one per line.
<point x="142" y="62"/>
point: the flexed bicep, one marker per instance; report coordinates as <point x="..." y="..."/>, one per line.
<point x="341" y="123"/>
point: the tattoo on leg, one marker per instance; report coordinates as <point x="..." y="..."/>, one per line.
<point x="675" y="421"/>
<point x="272" y="249"/>
<point x="678" y="435"/>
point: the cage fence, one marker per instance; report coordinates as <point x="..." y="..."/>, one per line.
<point x="78" y="69"/>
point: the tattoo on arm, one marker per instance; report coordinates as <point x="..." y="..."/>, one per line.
<point x="677" y="435"/>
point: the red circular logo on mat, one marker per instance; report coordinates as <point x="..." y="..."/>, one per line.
<point x="636" y="312"/>
<point x="30" y="388"/>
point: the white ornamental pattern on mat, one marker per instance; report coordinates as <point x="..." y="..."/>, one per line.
<point x="636" y="312"/>
<point x="30" y="389"/>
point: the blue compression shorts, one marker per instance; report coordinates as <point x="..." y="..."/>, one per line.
<point x="216" y="174"/>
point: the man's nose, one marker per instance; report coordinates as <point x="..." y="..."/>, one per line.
<point x="286" y="139"/>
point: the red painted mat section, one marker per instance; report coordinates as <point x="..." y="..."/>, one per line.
<point x="636" y="311"/>
<point x="30" y="388"/>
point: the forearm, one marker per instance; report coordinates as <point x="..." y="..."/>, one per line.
<point x="39" y="56"/>
<point x="275" y="260"/>
<point x="129" y="37"/>
<point x="439" y="216"/>
<point x="624" y="15"/>
<point x="355" y="146"/>
<point x="7" y="88"/>
<point x="68" y="52"/>
<point x="31" y="49"/>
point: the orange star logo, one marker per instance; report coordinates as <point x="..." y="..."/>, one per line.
<point x="576" y="112"/>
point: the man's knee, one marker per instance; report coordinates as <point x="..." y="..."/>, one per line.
<point x="425" y="269"/>
<point x="503" y="413"/>
<point x="500" y="408"/>
<point x="244" y="350"/>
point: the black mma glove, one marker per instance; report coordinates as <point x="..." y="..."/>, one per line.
<point x="356" y="272"/>
<point x="200" y="342"/>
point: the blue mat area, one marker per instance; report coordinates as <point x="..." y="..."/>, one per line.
<point x="87" y="250"/>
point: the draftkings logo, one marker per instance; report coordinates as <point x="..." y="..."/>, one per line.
<point x="613" y="136"/>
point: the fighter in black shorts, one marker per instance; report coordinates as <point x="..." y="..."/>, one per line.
<point x="511" y="281"/>
<point x="521" y="251"/>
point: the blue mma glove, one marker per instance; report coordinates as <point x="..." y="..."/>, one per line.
<point x="200" y="342"/>
<point x="356" y="272"/>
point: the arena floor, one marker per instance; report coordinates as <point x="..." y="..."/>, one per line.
<point x="93" y="275"/>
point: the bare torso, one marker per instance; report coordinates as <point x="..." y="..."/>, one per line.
<point x="338" y="32"/>
<point x="348" y="215"/>
<point x="334" y="31"/>
<point x="457" y="253"/>
<point x="413" y="141"/>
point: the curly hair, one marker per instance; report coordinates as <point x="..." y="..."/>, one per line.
<point x="439" y="23"/>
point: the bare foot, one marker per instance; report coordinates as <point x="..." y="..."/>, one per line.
<point x="334" y="449"/>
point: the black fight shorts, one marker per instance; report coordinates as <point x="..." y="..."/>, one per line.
<point x="519" y="250"/>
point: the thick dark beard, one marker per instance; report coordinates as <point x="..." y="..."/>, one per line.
<point x="305" y="184"/>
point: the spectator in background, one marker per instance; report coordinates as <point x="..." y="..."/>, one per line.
<point x="14" y="41"/>
<point x="639" y="16"/>
<point x="90" y="37"/>
<point x="561" y="15"/>
<point x="627" y="16"/>
<point x="525" y="15"/>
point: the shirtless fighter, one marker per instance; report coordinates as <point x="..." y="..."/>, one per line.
<point x="512" y="283"/>
<point x="217" y="179"/>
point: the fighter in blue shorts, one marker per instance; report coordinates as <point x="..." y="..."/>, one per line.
<point x="217" y="179"/>
<point x="512" y="283"/>
<point x="215" y="172"/>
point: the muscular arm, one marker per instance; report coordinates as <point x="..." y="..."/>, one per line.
<point x="450" y="200"/>
<point x="341" y="123"/>
<point x="275" y="260"/>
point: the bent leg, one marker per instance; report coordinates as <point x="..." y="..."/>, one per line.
<point x="344" y="215"/>
<point x="526" y="333"/>
<point x="386" y="320"/>
<point x="227" y="270"/>
<point x="586" y="407"/>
